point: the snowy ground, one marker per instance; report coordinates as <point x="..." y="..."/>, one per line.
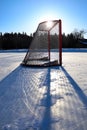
<point x="52" y="98"/>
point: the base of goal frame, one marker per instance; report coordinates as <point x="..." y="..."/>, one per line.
<point x="48" y="64"/>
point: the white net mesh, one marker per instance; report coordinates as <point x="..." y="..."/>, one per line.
<point x="44" y="48"/>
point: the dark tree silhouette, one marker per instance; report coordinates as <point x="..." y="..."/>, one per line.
<point x="22" y="41"/>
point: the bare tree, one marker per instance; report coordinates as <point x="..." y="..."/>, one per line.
<point x="79" y="34"/>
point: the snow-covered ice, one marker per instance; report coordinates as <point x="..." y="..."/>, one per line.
<point x="53" y="98"/>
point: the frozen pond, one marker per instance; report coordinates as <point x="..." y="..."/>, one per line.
<point x="53" y="98"/>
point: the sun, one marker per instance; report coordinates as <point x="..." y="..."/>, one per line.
<point x="49" y="24"/>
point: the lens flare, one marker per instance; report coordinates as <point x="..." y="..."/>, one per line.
<point x="49" y="24"/>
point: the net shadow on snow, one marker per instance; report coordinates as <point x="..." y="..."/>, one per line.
<point x="47" y="102"/>
<point x="15" y="112"/>
<point x="45" y="124"/>
<point x="76" y="87"/>
<point x="6" y="97"/>
<point x="18" y="106"/>
<point x="28" y="94"/>
<point x="47" y="121"/>
<point x="10" y="76"/>
<point x="13" y="71"/>
<point x="76" y="103"/>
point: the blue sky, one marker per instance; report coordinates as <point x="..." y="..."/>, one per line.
<point x="24" y="15"/>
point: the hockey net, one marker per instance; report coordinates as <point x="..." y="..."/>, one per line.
<point x="46" y="46"/>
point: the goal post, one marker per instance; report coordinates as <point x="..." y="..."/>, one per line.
<point x="46" y="46"/>
<point x="60" y="42"/>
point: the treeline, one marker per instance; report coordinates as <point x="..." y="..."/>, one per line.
<point x="70" y="41"/>
<point x="74" y="39"/>
<point x="23" y="41"/>
<point x="15" y="40"/>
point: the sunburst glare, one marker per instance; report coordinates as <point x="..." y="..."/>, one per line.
<point x="49" y="24"/>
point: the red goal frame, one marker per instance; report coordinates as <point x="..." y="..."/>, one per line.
<point x="42" y="27"/>
<point x="60" y="40"/>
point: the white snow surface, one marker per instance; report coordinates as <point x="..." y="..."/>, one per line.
<point x="51" y="98"/>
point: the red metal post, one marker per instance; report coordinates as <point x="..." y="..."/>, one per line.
<point x="60" y="42"/>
